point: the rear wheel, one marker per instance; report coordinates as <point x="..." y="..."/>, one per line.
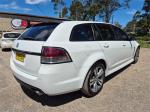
<point x="94" y="80"/>
<point x="136" y="56"/>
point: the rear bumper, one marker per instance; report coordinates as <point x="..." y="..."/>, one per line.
<point x="5" y="45"/>
<point x="51" y="79"/>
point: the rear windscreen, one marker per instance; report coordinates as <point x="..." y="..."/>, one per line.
<point x="11" y="35"/>
<point x="38" y="33"/>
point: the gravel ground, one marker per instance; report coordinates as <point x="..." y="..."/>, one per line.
<point x="125" y="91"/>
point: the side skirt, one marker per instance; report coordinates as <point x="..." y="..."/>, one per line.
<point x="119" y="67"/>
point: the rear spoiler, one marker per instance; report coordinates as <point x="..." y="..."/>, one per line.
<point x="27" y="20"/>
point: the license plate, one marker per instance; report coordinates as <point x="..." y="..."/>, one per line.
<point x="20" y="56"/>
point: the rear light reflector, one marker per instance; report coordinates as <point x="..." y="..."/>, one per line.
<point x="54" y="55"/>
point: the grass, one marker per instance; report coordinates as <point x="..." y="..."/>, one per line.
<point x="143" y="44"/>
<point x="144" y="41"/>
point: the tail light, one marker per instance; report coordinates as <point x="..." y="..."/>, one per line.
<point x="54" y="55"/>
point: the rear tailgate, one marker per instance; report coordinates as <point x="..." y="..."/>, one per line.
<point x="27" y="48"/>
<point x="26" y="56"/>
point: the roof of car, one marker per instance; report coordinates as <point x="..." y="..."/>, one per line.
<point x="82" y="22"/>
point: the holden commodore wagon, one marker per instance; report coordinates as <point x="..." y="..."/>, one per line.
<point x="73" y="55"/>
<point x="7" y="39"/>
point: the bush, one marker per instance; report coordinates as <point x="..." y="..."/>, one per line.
<point x="143" y="38"/>
<point x="144" y="44"/>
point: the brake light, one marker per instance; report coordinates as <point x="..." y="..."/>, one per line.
<point x="51" y="55"/>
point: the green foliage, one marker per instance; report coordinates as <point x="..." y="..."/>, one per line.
<point x="118" y="24"/>
<point x="64" y="12"/>
<point x="89" y="9"/>
<point x="140" y="24"/>
<point x="143" y="38"/>
<point x="76" y="10"/>
<point x="142" y="27"/>
<point x="108" y="8"/>
<point x="146" y="6"/>
<point x="144" y="44"/>
<point x="144" y="41"/>
<point x="84" y="9"/>
<point x="58" y="6"/>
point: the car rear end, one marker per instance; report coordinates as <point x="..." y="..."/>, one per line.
<point x="39" y="64"/>
<point x="8" y="39"/>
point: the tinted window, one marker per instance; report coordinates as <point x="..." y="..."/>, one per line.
<point x="97" y="33"/>
<point x="120" y="35"/>
<point x="82" y="33"/>
<point x="38" y="33"/>
<point x="106" y="32"/>
<point x="11" y="35"/>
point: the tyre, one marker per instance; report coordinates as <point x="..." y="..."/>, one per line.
<point x="136" y="56"/>
<point x="94" y="80"/>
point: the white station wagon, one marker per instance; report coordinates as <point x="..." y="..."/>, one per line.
<point x="73" y="55"/>
<point x="8" y="38"/>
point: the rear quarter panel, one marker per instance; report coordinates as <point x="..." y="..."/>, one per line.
<point x="83" y="55"/>
<point x="136" y="45"/>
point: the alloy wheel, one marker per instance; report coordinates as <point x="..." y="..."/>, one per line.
<point x="96" y="79"/>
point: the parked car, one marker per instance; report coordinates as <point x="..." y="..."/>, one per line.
<point x="8" y="38"/>
<point x="73" y="55"/>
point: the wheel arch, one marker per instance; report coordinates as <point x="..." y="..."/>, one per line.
<point x="92" y="61"/>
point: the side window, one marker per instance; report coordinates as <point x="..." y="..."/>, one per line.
<point x="82" y="32"/>
<point x="106" y="32"/>
<point x="120" y="35"/>
<point x="97" y="34"/>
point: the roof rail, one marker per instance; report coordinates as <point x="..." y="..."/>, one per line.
<point x="29" y="17"/>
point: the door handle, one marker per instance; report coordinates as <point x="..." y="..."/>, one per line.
<point x="124" y="45"/>
<point x="106" y="46"/>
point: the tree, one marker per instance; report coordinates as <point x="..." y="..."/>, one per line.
<point x="118" y="24"/>
<point x="76" y="10"/>
<point x="129" y="27"/>
<point x="140" y="24"/>
<point x="64" y="12"/>
<point x="146" y="6"/>
<point x="84" y="9"/>
<point x="146" y="15"/>
<point x="137" y="16"/>
<point x="91" y="9"/>
<point x="110" y="6"/>
<point x="58" y="7"/>
<point x="141" y="27"/>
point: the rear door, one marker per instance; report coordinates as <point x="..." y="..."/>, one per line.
<point x="111" y="48"/>
<point x="83" y="44"/>
<point x="27" y="49"/>
<point x="122" y="38"/>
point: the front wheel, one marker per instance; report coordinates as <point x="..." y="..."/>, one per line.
<point x="94" y="80"/>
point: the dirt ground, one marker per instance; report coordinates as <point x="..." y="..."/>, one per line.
<point x="125" y="91"/>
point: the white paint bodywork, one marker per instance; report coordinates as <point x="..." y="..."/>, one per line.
<point x="6" y="42"/>
<point x="55" y="79"/>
